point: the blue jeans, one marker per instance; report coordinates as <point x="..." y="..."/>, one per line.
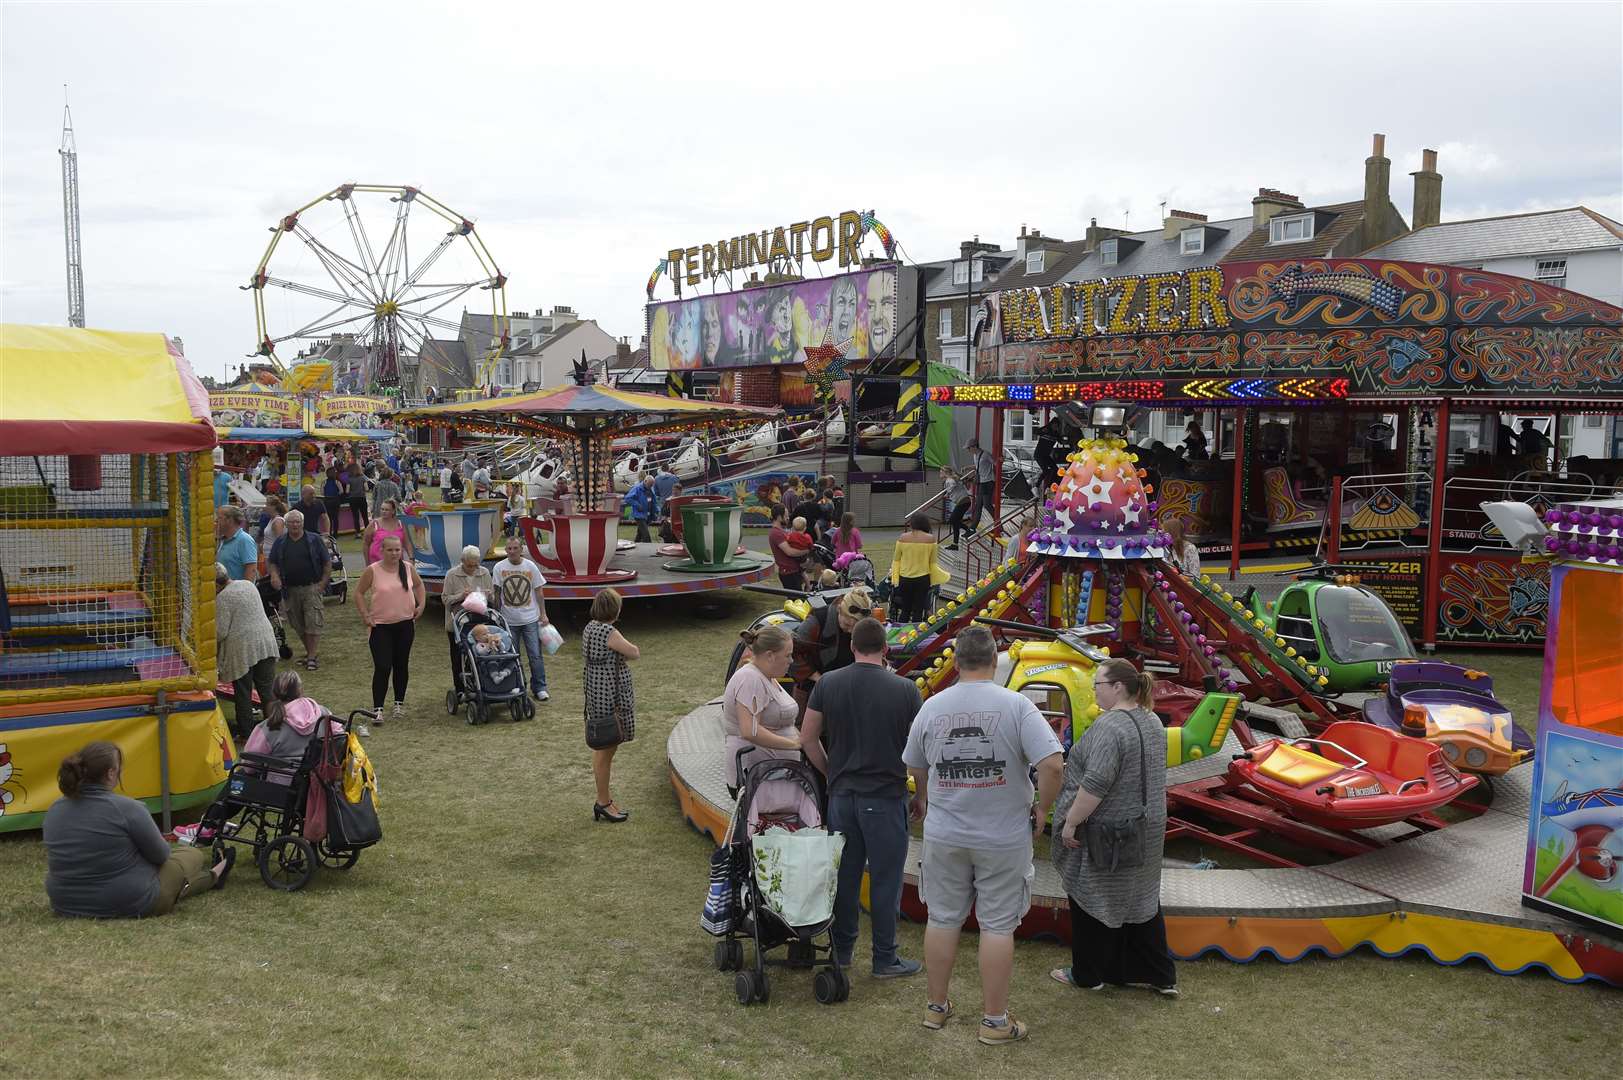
<point x="875" y="828"/>
<point x="528" y="638"/>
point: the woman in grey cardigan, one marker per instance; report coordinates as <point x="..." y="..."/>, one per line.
<point x="470" y="575"/>
<point x="1117" y="775"/>
<point x="105" y="859"/>
<point x="245" y="647"/>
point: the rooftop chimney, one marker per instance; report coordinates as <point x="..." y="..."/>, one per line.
<point x="1269" y="203"/>
<point x="1377" y="183"/>
<point x="1428" y="191"/>
<point x="1179" y="220"/>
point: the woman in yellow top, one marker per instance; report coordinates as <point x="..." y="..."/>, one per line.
<point x="914" y="569"/>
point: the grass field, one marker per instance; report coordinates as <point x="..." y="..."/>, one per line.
<point x="498" y="932"/>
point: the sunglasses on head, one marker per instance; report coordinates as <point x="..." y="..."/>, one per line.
<point x="859" y="611"/>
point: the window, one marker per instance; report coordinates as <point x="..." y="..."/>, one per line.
<point x="1034" y="262"/>
<point x="960" y="273"/>
<point x="946" y="322"/>
<point x="1288" y="230"/>
<point x="1552" y="272"/>
<point x="1107" y="252"/>
<point x="1017" y="425"/>
<point x="976" y="269"/>
<point x="1192" y="241"/>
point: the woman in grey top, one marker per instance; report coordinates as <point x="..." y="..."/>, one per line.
<point x="105" y="859"/>
<point x="1116" y="772"/>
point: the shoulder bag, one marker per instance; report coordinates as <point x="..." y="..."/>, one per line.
<point x="1118" y="843"/>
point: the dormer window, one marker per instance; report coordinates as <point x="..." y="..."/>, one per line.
<point x="1107" y="252"/>
<point x="1289" y="230"/>
<point x="1034" y="262"/>
<point x="1192" y="241"/>
<point x="960" y="273"/>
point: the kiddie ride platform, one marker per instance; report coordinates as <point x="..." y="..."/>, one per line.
<point x="1452" y="894"/>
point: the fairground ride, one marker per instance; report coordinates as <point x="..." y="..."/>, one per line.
<point x="344" y="297"/>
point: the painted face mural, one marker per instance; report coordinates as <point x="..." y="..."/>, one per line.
<point x="879" y="312"/>
<point x="843" y="312"/>
<point x="710" y="331"/>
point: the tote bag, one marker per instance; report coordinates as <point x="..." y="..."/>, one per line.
<point x="551" y="639"/>
<point x="797" y="873"/>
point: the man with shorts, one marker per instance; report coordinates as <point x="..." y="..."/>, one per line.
<point x="865" y="710"/>
<point x="970" y="751"/>
<point x="300" y="568"/>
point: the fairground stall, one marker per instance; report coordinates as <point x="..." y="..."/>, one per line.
<point x="1359" y="410"/>
<point x="106" y="575"/>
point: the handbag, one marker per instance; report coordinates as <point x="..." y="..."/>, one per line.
<point x="602" y="731"/>
<point x="1118" y="843"/>
<point x="720" y="912"/>
<point x="351" y="825"/>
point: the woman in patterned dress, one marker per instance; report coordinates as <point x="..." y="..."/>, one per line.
<point x="610" y="703"/>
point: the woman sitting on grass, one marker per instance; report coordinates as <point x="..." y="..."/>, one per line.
<point x="105" y="859"/>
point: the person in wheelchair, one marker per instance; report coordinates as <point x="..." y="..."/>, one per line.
<point x="290" y="722"/>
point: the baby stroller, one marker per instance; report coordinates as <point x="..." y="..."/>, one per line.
<point x="854" y="569"/>
<point x="337" y="584"/>
<point x="776" y="792"/>
<point x="271" y="597"/>
<point x="486" y="679"/>
<point x="263" y="807"/>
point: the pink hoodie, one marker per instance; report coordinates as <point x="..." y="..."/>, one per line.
<point x="300" y="715"/>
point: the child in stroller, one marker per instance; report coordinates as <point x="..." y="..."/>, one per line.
<point x="337" y="584"/>
<point x="488" y="671"/>
<point x="787" y="794"/>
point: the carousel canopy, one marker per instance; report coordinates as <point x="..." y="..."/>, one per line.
<point x="572" y="411"/>
<point x="74" y="391"/>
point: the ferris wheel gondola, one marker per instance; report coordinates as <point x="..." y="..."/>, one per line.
<point x="379" y="302"/>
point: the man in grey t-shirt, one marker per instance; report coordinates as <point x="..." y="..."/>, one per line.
<point x="969" y="752"/>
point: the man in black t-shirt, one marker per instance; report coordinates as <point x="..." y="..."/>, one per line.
<point x="866" y="712"/>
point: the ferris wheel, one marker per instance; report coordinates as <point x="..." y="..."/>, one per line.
<point x="341" y="296"/>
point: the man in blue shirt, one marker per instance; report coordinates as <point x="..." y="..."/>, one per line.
<point x="642" y="500"/>
<point x="237" y="551"/>
<point x="663" y="483"/>
<point x="222" y="488"/>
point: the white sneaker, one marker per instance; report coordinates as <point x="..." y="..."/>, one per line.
<point x="399" y="710"/>
<point x="543" y="696"/>
<point x="363" y="731"/>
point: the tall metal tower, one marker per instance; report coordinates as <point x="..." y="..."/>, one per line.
<point x="70" y="217"/>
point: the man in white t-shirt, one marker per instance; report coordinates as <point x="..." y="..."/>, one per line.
<point x="969" y="752"/>
<point x="518" y="595"/>
<point x="445" y="481"/>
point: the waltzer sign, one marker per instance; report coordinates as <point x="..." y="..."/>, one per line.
<point x="1158" y="303"/>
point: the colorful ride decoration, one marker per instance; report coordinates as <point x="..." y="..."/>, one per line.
<point x="106" y="552"/>
<point x="585" y="420"/>
<point x="1100" y="508"/>
<point x="710" y="533"/>
<point x="438" y="535"/>
<point x="1575" y="828"/>
<point x="1455" y="708"/>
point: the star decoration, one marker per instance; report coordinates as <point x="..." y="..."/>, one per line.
<point x="1099" y="490"/>
<point x="1130" y="512"/>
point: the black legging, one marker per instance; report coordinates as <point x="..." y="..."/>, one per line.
<point x="960" y="510"/>
<point x="391" y="652"/>
<point x="911" y="599"/>
<point x="333" y="505"/>
<point x="357" y="510"/>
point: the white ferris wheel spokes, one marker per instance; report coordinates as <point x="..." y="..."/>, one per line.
<point x="342" y="287"/>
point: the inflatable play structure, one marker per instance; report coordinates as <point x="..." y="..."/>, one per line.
<point x="106" y="576"/>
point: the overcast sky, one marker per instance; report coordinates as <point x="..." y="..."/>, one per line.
<point x="588" y="140"/>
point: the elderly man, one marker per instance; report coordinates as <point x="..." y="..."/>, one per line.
<point x="300" y="568"/>
<point x="237" y="551"/>
<point x="245" y="650"/>
<point x="644" y="504"/>
<point x="970" y="753"/>
<point x="313" y="509"/>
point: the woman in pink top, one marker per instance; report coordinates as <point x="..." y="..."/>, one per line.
<point x="385" y="525"/>
<point x="848" y="538"/>
<point x="756" y="711"/>
<point x="390" y="597"/>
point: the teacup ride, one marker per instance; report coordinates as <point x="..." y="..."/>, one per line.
<point x="576" y="549"/>
<point x="674" y="506"/>
<point x="710" y="535"/>
<point x="440" y="531"/>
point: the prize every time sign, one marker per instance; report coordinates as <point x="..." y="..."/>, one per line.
<point x="825" y="238"/>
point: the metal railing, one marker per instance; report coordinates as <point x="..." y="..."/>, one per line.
<point x="1375" y="510"/>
